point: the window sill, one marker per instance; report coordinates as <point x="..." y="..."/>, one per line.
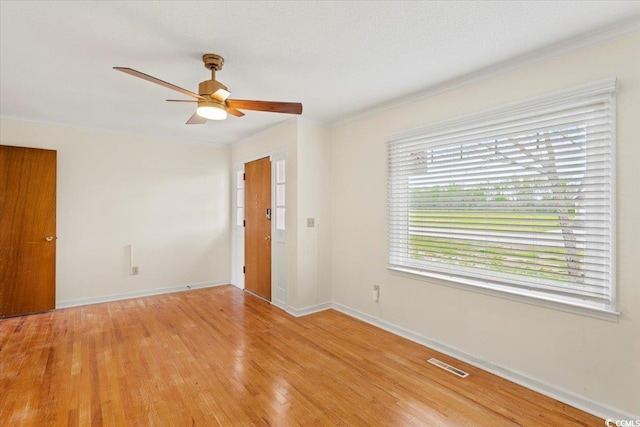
<point x="597" y="313"/>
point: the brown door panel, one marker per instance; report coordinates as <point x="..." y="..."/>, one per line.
<point x="257" y="258"/>
<point x="27" y="230"/>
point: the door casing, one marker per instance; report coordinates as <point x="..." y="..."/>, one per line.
<point x="279" y="272"/>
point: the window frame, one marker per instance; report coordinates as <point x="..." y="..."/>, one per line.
<point x="602" y="88"/>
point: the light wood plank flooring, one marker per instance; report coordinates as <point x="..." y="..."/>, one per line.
<point x="219" y="356"/>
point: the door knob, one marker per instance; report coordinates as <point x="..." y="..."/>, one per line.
<point x="50" y="238"/>
<point x="268" y="238"/>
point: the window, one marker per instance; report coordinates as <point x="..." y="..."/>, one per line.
<point x="516" y="201"/>
<point x="240" y="198"/>
<point x="280" y="195"/>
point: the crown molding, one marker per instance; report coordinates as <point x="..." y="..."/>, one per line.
<point x="573" y="44"/>
<point x="113" y="132"/>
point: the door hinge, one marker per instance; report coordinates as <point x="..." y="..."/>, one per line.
<point x="244" y="223"/>
<point x="244" y="176"/>
<point x="244" y="269"/>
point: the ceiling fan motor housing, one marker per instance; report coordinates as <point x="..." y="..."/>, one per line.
<point x="212" y="61"/>
<point x="208" y="87"/>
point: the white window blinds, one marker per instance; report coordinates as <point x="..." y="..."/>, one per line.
<point x="519" y="199"/>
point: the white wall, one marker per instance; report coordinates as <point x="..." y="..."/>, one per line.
<point x="596" y="359"/>
<point x="314" y="281"/>
<point x="169" y="199"/>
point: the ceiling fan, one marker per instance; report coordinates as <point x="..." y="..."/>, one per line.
<point x="213" y="97"/>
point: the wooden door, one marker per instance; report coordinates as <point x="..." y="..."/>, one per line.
<point x="27" y="230"/>
<point x="257" y="232"/>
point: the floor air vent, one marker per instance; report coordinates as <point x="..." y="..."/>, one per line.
<point x="454" y="371"/>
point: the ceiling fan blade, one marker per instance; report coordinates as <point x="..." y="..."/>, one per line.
<point x="235" y="112"/>
<point x="152" y="79"/>
<point x="270" y="106"/>
<point x="180" y="100"/>
<point x="196" y="120"/>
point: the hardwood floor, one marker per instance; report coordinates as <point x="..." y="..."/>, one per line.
<point x="219" y="356"/>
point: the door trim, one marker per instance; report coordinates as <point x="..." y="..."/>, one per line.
<point x="237" y="232"/>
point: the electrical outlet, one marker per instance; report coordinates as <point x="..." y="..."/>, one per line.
<point x="311" y="222"/>
<point x="376" y="293"/>
<point x="135" y="271"/>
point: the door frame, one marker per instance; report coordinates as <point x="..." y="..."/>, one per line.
<point x="279" y="298"/>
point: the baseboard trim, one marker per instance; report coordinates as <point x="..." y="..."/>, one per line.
<point x="573" y="399"/>
<point x="299" y="312"/>
<point x="138" y="294"/>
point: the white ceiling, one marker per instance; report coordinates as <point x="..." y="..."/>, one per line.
<point x="338" y="58"/>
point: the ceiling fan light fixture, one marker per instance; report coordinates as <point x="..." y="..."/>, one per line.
<point x="211" y="110"/>
<point x="213" y="97"/>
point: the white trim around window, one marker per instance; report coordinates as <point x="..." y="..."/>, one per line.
<point x="518" y="201"/>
